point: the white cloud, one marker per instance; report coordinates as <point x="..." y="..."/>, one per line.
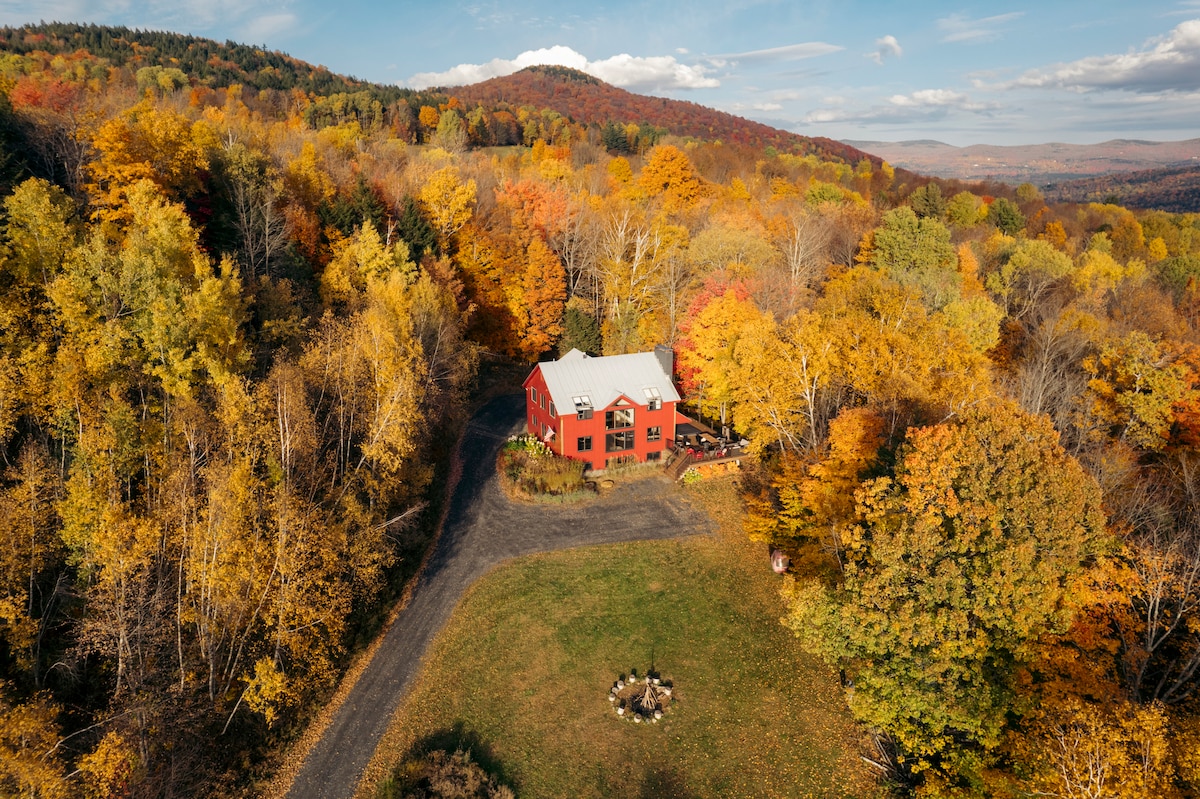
<point x="961" y="28"/>
<point x="884" y="47"/>
<point x="756" y="107"/>
<point x="790" y="52"/>
<point x="827" y="115"/>
<point x="1166" y="63"/>
<point x="929" y="97"/>
<point x="924" y="105"/>
<point x="649" y="73"/>
<point x="653" y="72"/>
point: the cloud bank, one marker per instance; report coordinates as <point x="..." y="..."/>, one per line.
<point x="624" y="70"/>
<point x="923" y="105"/>
<point x="1169" y="63"/>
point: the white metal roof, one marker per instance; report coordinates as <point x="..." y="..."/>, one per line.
<point x="604" y="379"/>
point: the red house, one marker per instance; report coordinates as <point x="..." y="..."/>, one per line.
<point x="604" y="411"/>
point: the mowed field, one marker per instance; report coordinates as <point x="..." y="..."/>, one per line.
<point x="521" y="674"/>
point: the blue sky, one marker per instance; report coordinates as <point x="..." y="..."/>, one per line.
<point x="963" y="73"/>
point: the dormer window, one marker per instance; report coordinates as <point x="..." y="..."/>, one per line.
<point x="583" y="406"/>
<point x="653" y="399"/>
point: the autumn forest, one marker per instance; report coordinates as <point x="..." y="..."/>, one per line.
<point x="246" y="305"/>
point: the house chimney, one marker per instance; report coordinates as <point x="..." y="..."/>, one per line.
<point x="666" y="359"/>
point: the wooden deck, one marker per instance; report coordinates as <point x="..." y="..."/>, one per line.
<point x="681" y="460"/>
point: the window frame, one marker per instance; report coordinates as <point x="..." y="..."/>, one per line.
<point x="611" y="419"/>
<point x="620" y="441"/>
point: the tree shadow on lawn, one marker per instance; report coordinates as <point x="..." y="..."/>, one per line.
<point x="664" y="782"/>
<point x="455" y="737"/>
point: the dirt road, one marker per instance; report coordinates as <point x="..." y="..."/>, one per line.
<point x="482" y="529"/>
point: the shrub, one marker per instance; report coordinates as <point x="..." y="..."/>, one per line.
<point x="440" y="775"/>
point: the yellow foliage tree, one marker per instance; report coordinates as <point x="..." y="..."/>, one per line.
<point x="448" y="202"/>
<point x="669" y="174"/>
<point x="29" y="763"/>
<point x="147" y="143"/>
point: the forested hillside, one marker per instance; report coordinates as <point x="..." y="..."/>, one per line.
<point x="200" y="60"/>
<point x="1175" y="189"/>
<point x="590" y="101"/>
<point x="238" y="326"/>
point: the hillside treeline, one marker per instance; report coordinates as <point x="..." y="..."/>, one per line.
<point x="236" y="325"/>
<point x="1175" y="188"/>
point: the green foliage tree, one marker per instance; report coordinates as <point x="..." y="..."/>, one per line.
<point x="451" y="133"/>
<point x="414" y="229"/>
<point x="960" y="560"/>
<point x="1006" y="216"/>
<point x="917" y="253"/>
<point x="964" y="210"/>
<point x="928" y="202"/>
<point x="1027" y="274"/>
<point x="580" y="330"/>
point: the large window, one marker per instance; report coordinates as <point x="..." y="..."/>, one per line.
<point x="654" y="433"/>
<point x="653" y="399"/>
<point x="615" y="420"/>
<point x="618" y="442"/>
<point x="583" y="444"/>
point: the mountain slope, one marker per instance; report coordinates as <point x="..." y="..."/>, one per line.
<point x="207" y="61"/>
<point x="1175" y="189"/>
<point x="590" y="101"/>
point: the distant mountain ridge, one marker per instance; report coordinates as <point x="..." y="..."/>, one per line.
<point x="588" y="100"/>
<point x="1040" y="164"/>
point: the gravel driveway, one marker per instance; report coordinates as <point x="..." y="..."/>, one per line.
<point x="482" y="529"/>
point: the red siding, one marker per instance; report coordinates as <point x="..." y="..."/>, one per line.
<point x="568" y="429"/>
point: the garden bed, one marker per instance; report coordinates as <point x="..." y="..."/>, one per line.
<point x="530" y="470"/>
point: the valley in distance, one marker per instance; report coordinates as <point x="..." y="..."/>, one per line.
<point x="1130" y="172"/>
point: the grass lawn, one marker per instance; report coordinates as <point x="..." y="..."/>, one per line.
<point x="522" y="672"/>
